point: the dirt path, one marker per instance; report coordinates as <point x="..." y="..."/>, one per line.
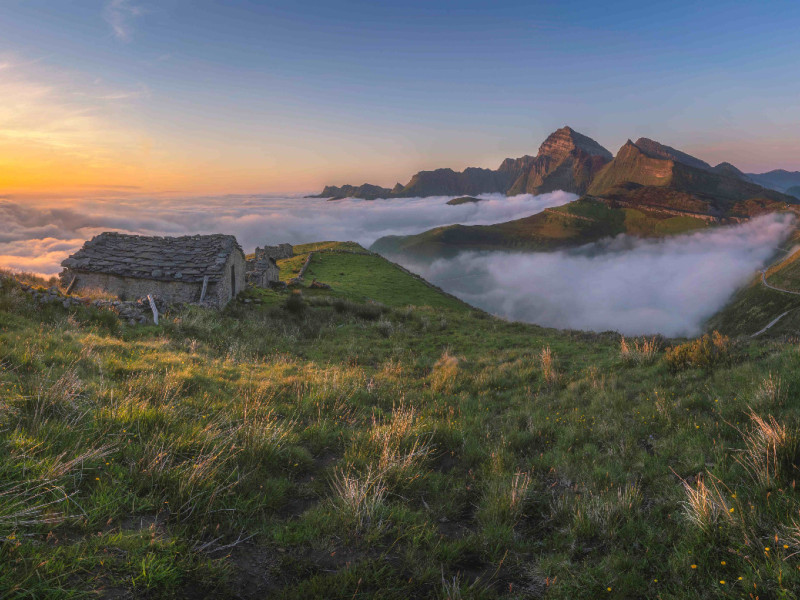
<point x="772" y="287"/>
<point x="777" y="289"/>
<point x="771" y="323"/>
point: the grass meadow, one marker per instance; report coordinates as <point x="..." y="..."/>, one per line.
<point x="386" y="441"/>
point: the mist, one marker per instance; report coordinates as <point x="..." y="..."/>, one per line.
<point x="37" y="236"/>
<point x="634" y="286"/>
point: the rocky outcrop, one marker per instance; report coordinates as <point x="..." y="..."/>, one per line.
<point x="567" y="161"/>
<point x="463" y="200"/>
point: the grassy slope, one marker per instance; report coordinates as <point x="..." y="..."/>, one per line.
<point x="141" y="454"/>
<point x="756" y="305"/>
<point x="573" y="224"/>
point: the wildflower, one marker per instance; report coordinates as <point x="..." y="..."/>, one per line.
<point x="722" y="581"/>
<point x="731" y="509"/>
<point x="694" y="566"/>
<point x="766" y="549"/>
<point x="786" y="546"/>
<point x="608" y="589"/>
<point x="722" y="563"/>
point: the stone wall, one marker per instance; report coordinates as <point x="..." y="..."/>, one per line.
<point x="130" y="288"/>
<point x="262" y="270"/>
<point x="173" y="292"/>
<point x="277" y="252"/>
<point x="223" y="291"/>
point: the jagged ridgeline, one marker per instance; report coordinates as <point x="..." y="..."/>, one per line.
<point x="567" y="160"/>
<point x="648" y="189"/>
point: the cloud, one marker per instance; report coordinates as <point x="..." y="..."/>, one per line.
<point x="670" y="286"/>
<point x="255" y="220"/>
<point x="45" y="110"/>
<point x="119" y="14"/>
<point x="634" y="286"/>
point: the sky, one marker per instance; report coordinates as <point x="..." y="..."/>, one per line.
<point x="127" y="97"/>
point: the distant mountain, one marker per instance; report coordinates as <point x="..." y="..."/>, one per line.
<point x="567" y="160"/>
<point x="778" y="179"/>
<point x="728" y="170"/>
<point x="794" y="191"/>
<point x="471" y="181"/>
<point x="647" y="174"/>
<point x="366" y="191"/>
<point x="647" y="190"/>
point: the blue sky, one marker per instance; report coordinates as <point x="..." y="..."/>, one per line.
<point x="286" y="96"/>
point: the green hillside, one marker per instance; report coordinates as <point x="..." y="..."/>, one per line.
<point x="319" y="445"/>
<point x="757" y="305"/>
<point x="579" y="222"/>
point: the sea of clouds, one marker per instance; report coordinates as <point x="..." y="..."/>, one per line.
<point x="634" y="286"/>
<point x="669" y="286"/>
<point x="37" y="235"/>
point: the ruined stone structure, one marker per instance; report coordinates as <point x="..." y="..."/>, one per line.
<point x="262" y="271"/>
<point x="196" y="268"/>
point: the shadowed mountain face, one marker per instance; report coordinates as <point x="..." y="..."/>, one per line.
<point x="657" y="150"/>
<point x="567" y="160"/>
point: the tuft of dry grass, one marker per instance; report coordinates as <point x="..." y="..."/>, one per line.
<point x="639" y="352"/>
<point x="444" y="374"/>
<point x="547" y="362"/>
<point x="359" y="497"/>
<point x="770" y="392"/>
<point x="706" y="504"/>
<point x="772" y="451"/>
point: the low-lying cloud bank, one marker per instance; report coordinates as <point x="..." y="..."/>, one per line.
<point x="37" y="236"/>
<point x="633" y="286"/>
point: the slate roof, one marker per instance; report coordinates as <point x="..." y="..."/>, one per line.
<point x="188" y="258"/>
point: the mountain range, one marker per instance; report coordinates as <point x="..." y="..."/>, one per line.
<point x="647" y="189"/>
<point x="567" y="160"/>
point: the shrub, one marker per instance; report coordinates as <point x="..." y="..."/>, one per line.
<point x="295" y="303"/>
<point x="705" y="352"/>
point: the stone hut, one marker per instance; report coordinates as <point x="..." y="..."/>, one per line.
<point x="192" y="268"/>
<point x="262" y="270"/>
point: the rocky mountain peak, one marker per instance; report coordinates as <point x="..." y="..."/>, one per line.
<point x="564" y="141"/>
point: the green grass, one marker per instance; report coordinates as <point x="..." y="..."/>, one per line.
<point x="370" y="277"/>
<point x="755" y="306"/>
<point x="574" y="224"/>
<point x="382" y="451"/>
